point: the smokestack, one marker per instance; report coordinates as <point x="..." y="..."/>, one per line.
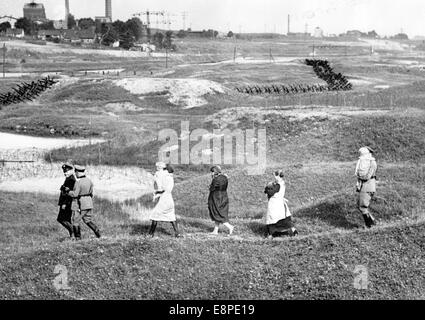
<point x="66" y="13"/>
<point x="108" y="9"/>
<point x="289" y="23"/>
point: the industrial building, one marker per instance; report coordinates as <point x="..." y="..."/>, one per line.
<point x="34" y="11"/>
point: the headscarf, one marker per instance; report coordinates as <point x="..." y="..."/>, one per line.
<point x="365" y="154"/>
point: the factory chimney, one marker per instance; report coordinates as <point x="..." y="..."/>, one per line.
<point x="66" y="13"/>
<point x="108" y="9"/>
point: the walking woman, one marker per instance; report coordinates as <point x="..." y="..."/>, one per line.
<point x="164" y="209"/>
<point x="278" y="218"/>
<point x="366" y="183"/>
<point x="218" y="201"/>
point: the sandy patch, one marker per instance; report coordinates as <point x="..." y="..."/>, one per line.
<point x="383" y="86"/>
<point x="187" y="93"/>
<point x="378" y="44"/>
<point x="359" y="82"/>
<point x="16" y="74"/>
<point x="17" y="141"/>
<point x="121" y="107"/>
<point x="250" y="60"/>
<point x="111" y="183"/>
<point x="52" y="48"/>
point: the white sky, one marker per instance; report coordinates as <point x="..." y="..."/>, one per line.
<point x="386" y="17"/>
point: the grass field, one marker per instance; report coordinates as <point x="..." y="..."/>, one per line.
<point x="313" y="137"/>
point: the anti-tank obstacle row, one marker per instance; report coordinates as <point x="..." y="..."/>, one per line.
<point x="26" y="91"/>
<point x="335" y="81"/>
<point x="282" y="89"/>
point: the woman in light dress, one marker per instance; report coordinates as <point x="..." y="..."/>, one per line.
<point x="278" y="218"/>
<point x="164" y="209"/>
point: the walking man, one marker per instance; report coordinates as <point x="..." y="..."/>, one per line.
<point x="65" y="200"/>
<point x="83" y="195"/>
<point x="366" y="183"/>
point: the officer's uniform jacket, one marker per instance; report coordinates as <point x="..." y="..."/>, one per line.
<point x="64" y="198"/>
<point x="83" y="193"/>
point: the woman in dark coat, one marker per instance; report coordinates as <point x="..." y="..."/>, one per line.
<point x="218" y="201"/>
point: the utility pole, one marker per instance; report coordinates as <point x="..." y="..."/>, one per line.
<point x="4" y="59"/>
<point x="184" y="16"/>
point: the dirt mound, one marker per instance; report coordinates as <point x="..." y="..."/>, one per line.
<point x="184" y="92"/>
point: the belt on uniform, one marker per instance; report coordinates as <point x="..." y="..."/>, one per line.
<point x="86" y="195"/>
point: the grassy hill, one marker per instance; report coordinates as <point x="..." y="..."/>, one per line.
<point x="313" y="137"/>
<point x="316" y="267"/>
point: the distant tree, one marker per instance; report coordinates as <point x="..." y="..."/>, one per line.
<point x="400" y="36"/>
<point x="46" y="25"/>
<point x="27" y="25"/>
<point x="181" y="34"/>
<point x="158" y="39"/>
<point x="86" y="23"/>
<point x="168" y="40"/>
<point x="71" y="21"/>
<point x="119" y="26"/>
<point x="4" y="26"/>
<point x="230" y="34"/>
<point x="215" y="33"/>
<point x="135" y="27"/>
<point x="372" y="34"/>
<point x="108" y="34"/>
<point x="127" y="40"/>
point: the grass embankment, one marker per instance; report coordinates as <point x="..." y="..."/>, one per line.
<point x="306" y="268"/>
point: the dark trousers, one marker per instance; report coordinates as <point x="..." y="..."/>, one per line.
<point x="87" y="217"/>
<point x="65" y="219"/>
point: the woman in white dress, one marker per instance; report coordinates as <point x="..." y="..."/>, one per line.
<point x="278" y="218"/>
<point x="164" y="209"/>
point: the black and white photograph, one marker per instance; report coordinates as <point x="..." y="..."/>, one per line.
<point x="212" y="153"/>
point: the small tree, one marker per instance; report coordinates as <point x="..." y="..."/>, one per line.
<point x="127" y="40"/>
<point x="4" y="26"/>
<point x="27" y="25"/>
<point x="71" y="21"/>
<point x="181" y="34"/>
<point x="230" y="34"/>
<point x="86" y="23"/>
<point x="168" y="40"/>
<point x="46" y="25"/>
<point x="158" y="39"/>
<point x="109" y="35"/>
<point x="135" y="27"/>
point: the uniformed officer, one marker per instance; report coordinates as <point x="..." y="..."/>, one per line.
<point x="65" y="200"/>
<point x="83" y="195"/>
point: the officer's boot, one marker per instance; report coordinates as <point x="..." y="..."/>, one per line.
<point x="366" y="220"/>
<point x="77" y="232"/>
<point x="95" y="229"/>
<point x="176" y="229"/>
<point x="153" y="227"/>
<point x="372" y="220"/>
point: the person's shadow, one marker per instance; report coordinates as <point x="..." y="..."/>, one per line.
<point x="340" y="212"/>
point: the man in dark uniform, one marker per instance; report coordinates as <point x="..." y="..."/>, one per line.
<point x="65" y="201"/>
<point x="83" y="196"/>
